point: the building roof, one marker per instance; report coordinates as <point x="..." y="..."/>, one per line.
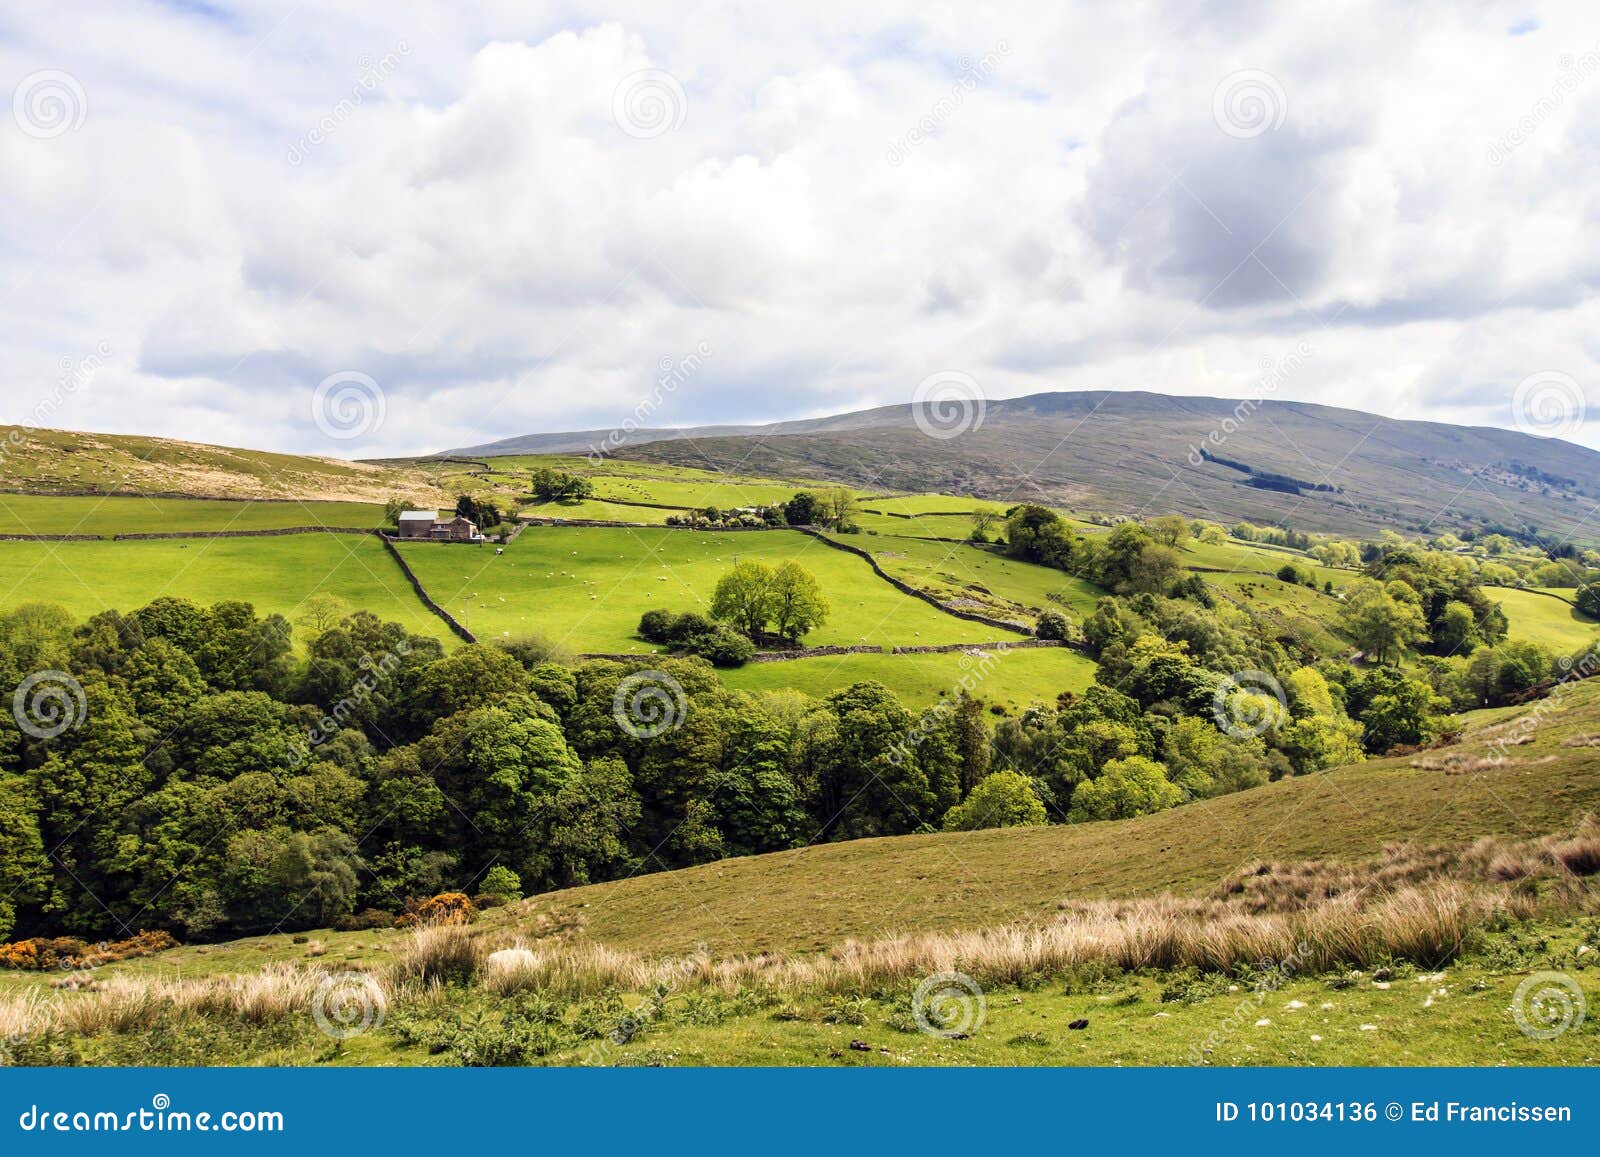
<point x="420" y="516"/>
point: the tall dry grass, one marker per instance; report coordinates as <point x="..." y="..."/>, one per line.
<point x="1424" y="924"/>
<point x="439" y="952"/>
<point x="1414" y="903"/>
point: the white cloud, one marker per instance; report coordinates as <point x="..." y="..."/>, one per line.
<point x="261" y="195"/>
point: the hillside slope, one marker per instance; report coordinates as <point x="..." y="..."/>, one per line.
<point x="816" y="897"/>
<point x="1138" y="453"/>
<point x="40" y="461"/>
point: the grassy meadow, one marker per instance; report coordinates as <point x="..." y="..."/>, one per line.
<point x="585" y="588"/>
<point x="598" y="510"/>
<point x="276" y="575"/>
<point x="1543" y="618"/>
<point x="693" y="493"/>
<point x="1011" y="679"/>
<point x="977" y="579"/>
<point x="108" y="516"/>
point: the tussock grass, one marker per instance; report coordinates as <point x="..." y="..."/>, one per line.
<point x="1425" y="924"/>
<point x="439" y="952"/>
<point x="1417" y="904"/>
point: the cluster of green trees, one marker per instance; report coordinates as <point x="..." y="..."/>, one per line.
<point x="696" y="634"/>
<point x="717" y="518"/>
<point x="763" y="602"/>
<point x="753" y="603"/>
<point x="190" y="798"/>
<point x="1132" y="559"/>
<point x="833" y="507"/>
<point x="551" y="485"/>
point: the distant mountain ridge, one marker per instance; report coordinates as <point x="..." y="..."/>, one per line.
<point x="1303" y="464"/>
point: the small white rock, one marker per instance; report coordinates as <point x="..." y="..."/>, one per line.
<point x="1263" y="1022"/>
<point x="1369" y="1028"/>
<point x="1295" y="1004"/>
<point x="1316" y="1040"/>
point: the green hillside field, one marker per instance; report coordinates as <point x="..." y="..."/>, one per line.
<point x="1009" y="678"/>
<point x="111" y="515"/>
<point x="275" y="575"/>
<point x="585" y="588"/>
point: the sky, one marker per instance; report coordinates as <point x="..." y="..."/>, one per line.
<point x="364" y="229"/>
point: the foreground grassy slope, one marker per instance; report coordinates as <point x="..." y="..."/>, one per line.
<point x="585" y="588"/>
<point x="276" y="575"/>
<point x="107" y="516"/>
<point x="818" y="896"/>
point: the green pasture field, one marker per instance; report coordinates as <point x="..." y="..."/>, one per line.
<point x="584" y="588"/>
<point x="1542" y="618"/>
<point x="722" y="493"/>
<point x="1011" y="678"/>
<point x="275" y="575"/>
<point x="1252" y="558"/>
<point x="594" y="508"/>
<point x="953" y="526"/>
<point x="931" y="504"/>
<point x="106" y="516"/>
<point x="954" y="571"/>
<point x="1290" y="610"/>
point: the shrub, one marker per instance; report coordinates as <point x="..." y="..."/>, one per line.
<point x="697" y="635"/>
<point x="365" y="921"/>
<point x="441" y="952"/>
<point x="68" y="952"/>
<point x="447" y="908"/>
<point x="1588" y="599"/>
<point x="1052" y="624"/>
<point x="656" y="626"/>
<point x="1002" y="800"/>
<point x="723" y="647"/>
<point x="503" y="882"/>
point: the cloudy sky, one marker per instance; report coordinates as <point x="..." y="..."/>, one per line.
<point x="510" y="220"/>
